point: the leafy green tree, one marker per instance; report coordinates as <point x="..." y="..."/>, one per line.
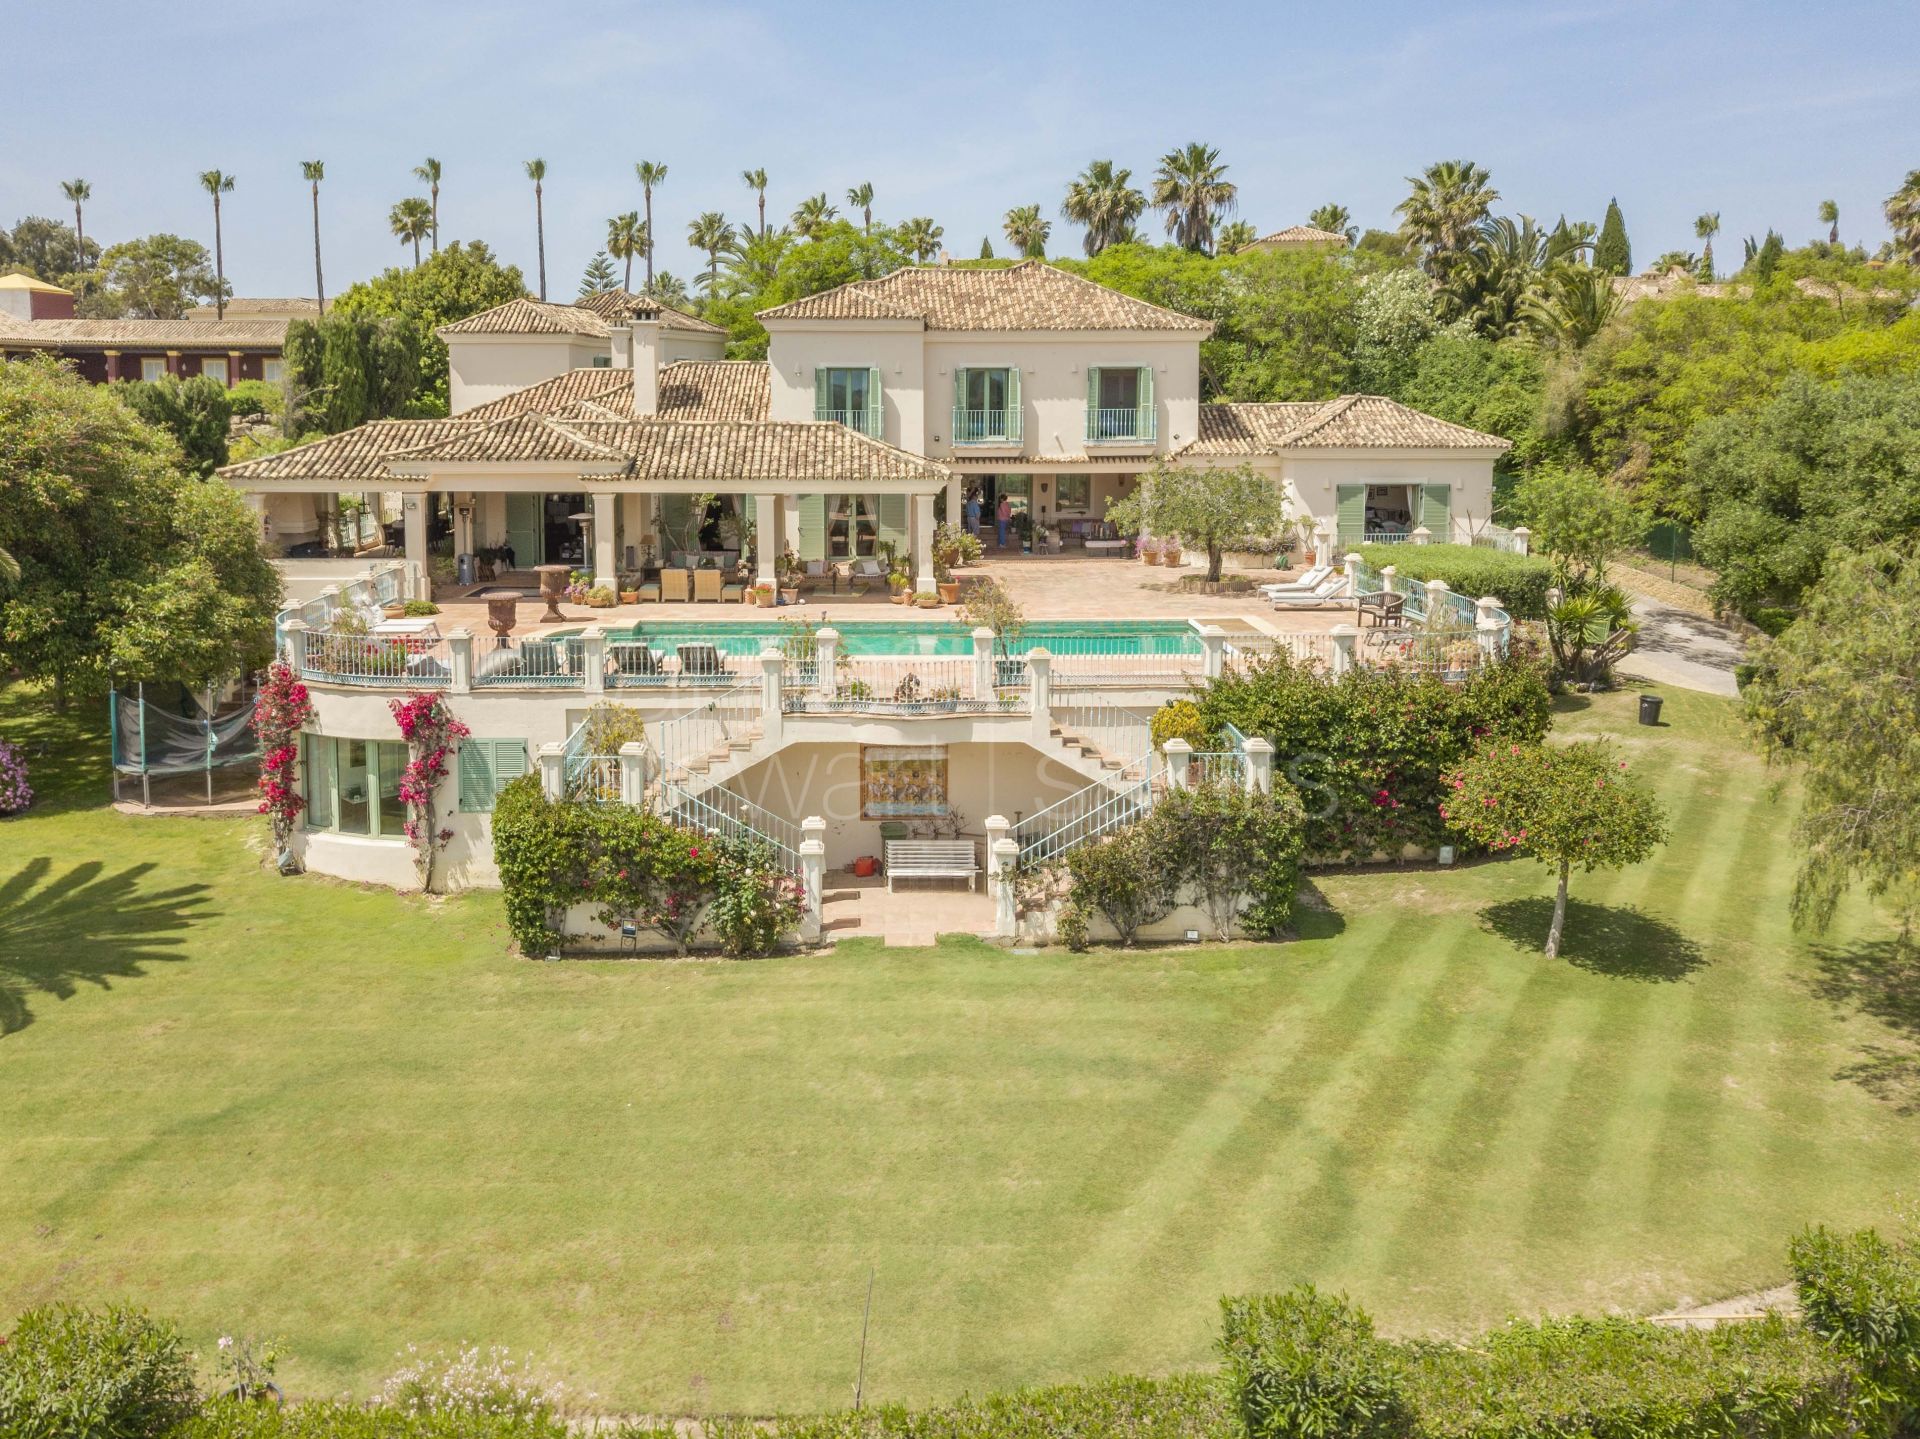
<point x="1393" y="318"/>
<point x="813" y="215"/>
<point x="1579" y="518"/>
<point x="986" y="247"/>
<point x="1027" y="232"/>
<point x="861" y="196"/>
<point x="348" y="368"/>
<point x="1209" y="509"/>
<point x="1830" y="217"/>
<point x="1572" y="304"/>
<point x="1236" y="236"/>
<point x="313" y="172"/>
<point x="1817" y="470"/>
<point x="159" y="277"/>
<point x="921" y="238"/>
<point x="46" y="249"/>
<point x="598" y="276"/>
<point x="428" y="172"/>
<point x="1834" y="697"/>
<point x="1612" y="255"/>
<point x="411" y="221"/>
<point x="217" y="183"/>
<point x="537" y="172"/>
<point x="1439" y="214"/>
<point x="1766" y="258"/>
<point x="129" y="568"/>
<point x="1336" y="220"/>
<point x="1903" y="218"/>
<point x="1102" y="198"/>
<point x="710" y="232"/>
<point x="651" y="175"/>
<point x="1384" y="246"/>
<point x="1191" y="189"/>
<point x="194" y="411"/>
<point x="1493" y="386"/>
<point x="1567" y="806"/>
<point x="1501" y="272"/>
<point x="756" y="181"/>
<point x="1570" y="243"/>
<point x="463" y="279"/>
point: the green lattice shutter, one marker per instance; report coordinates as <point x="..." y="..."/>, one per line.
<point x="1014" y="412"/>
<point x="1094" y="431"/>
<point x="813" y="527"/>
<point x="820" y="396"/>
<point x="875" y="426"/>
<point x="1143" y="398"/>
<point x="1350" y="513"/>
<point x="890" y="514"/>
<point x="1436" y="511"/>
<point x="509" y="763"/>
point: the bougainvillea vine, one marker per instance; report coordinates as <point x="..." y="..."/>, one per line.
<point x="432" y="734"/>
<point x="280" y="711"/>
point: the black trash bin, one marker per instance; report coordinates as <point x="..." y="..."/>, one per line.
<point x="1650" y="709"/>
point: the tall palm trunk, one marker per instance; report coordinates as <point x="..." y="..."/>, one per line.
<point x="763" y="214"/>
<point x="626" y="282"/>
<point x="436" y="220"/>
<point x="416" y="252"/>
<point x="219" y="264"/>
<point x="319" y="285"/>
<point x="647" y="195"/>
<point x="540" y="229"/>
<point x="1559" y="914"/>
<point x="79" y="239"/>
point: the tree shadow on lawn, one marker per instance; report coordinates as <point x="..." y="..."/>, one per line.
<point x="1881" y="980"/>
<point x="1615" y="940"/>
<point x="85" y="927"/>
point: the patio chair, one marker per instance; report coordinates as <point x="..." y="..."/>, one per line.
<point x="864" y="573"/>
<point x="701" y="660"/>
<point x="733" y="590"/>
<point x="816" y="574"/>
<point x="673" y="584"/>
<point x="648" y="590"/>
<point x="706" y="585"/>
<point x="1329" y="591"/>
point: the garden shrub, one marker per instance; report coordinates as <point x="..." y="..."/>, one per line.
<point x="15" y="793"/>
<point x="1231" y="850"/>
<point x="231" y="1419"/>
<point x="1179" y="719"/>
<point x="1367" y="751"/>
<point x="1122" y="878"/>
<point x="1519" y="582"/>
<point x="1305" y="1365"/>
<point x="110" y="1372"/>
<point x="472" y="1380"/>
<point x="1861" y="1292"/>
<point x="759" y="903"/>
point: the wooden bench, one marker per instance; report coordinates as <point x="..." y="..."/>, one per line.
<point x="931" y="859"/>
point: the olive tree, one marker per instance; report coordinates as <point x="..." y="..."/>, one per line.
<point x="1206" y="509"/>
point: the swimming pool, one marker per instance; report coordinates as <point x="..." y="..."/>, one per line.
<point x="928" y="637"/>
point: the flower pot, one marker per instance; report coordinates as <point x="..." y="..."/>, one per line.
<point x="949" y="592"/>
<point x="1171" y="559"/>
<point x="629" y="597"/>
<point x="899" y="597"/>
<point x="929" y="602"/>
<point x="1149" y="557"/>
<point x="394" y="610"/>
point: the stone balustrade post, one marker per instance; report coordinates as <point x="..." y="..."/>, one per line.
<point x="1344" y="637"/>
<point x="1006" y="915"/>
<point x="1491" y="628"/>
<point x="773" y="672"/>
<point x="1323" y="540"/>
<point x="1213" y="647"/>
<point x="1525" y="537"/>
<point x="1350" y="567"/>
<point x="998" y="826"/>
<point x="1259" y="765"/>
<point x="553" y="780"/>
<point x="1422" y="535"/>
<point x="633" y="774"/>
<point x="296" y="641"/>
<point x="826" y="655"/>
<point x="813" y="874"/>
<point x="1439" y="602"/>
<point x="336" y="599"/>
<point x="460" y="661"/>
<point x="593" y="660"/>
<point x="1040" y="676"/>
<point x="1179" y="755"/>
<point x="982" y="663"/>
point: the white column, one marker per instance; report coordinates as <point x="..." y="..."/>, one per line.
<point x="1004" y="855"/>
<point x="296" y="635"/>
<point x="826" y="653"/>
<point x="552" y="781"/>
<point x="956" y="497"/>
<point x="1259" y="766"/>
<point x="1524" y="536"/>
<point x="414" y="514"/>
<point x="813" y="874"/>
<point x="1179" y="755"/>
<point x="923" y="543"/>
<point x="593" y="659"/>
<point x="633" y="774"/>
<point x="1040" y="673"/>
<point x="1492" y="629"/>
<point x="1213" y="646"/>
<point x="1344" y="638"/>
<point x="982" y="663"/>
<point x="460" y="661"/>
<point x="1323" y="546"/>
<point x="773" y="666"/>
<point x="606" y="561"/>
<point x="766" y="538"/>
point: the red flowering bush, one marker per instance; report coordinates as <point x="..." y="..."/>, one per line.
<point x="432" y="734"/>
<point x="280" y="711"/>
<point x="1565" y="805"/>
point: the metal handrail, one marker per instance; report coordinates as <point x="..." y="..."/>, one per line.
<point x="1128" y="423"/>
<point x="1086" y="815"/>
<point x="720" y="811"/>
<point x="715" y="724"/>
<point x="986" y="427"/>
<point x="865" y="422"/>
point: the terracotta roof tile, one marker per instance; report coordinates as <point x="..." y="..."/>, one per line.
<point x="1350" y="422"/>
<point x="715" y="390"/>
<point x="357" y="454"/>
<point x="146" y="334"/>
<point x="621" y="305"/>
<point x="1032" y="295"/>
<point x="531" y="317"/>
<point x="596" y="383"/>
<point x="1304" y="235"/>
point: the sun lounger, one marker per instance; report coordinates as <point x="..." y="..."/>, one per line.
<point x="1329" y="591"/>
<point x="1311" y="580"/>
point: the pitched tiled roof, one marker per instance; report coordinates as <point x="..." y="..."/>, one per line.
<point x="621" y="305"/>
<point x="599" y="384"/>
<point x="715" y="390"/>
<point x="242" y="306"/>
<point x="517" y="439"/>
<point x="1304" y="235"/>
<point x="146" y="334"/>
<point x="1032" y="295"/>
<point x="357" y="454"/>
<point x="1350" y="422"/>
<point x="531" y="317"/>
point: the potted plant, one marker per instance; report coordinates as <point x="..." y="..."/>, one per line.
<point x="601" y="597"/>
<point x="1149" y="551"/>
<point x="953" y="547"/>
<point x="629" y="590"/>
<point x="899" y="583"/>
<point x="927" y="600"/>
<point x="765" y="595"/>
<point x="1170" y="553"/>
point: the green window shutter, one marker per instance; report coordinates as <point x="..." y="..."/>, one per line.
<point x="1350" y="513"/>
<point x="509" y="763"/>
<point x="959" y="388"/>
<point x="475" y="762"/>
<point x="1093" y="388"/>
<point x="1436" y="511"/>
<point x="813" y="527"/>
<point x="874" y="424"/>
<point x="890" y="512"/>
<point x="1143" y="398"/>
<point x="819" y="390"/>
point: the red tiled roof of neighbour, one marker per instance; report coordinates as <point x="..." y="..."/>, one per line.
<point x="530" y="317"/>
<point x="1349" y="422"/>
<point x="625" y="305"/>
<point x="1031" y="295"/>
<point x="1303" y="235"/>
<point x="145" y="334"/>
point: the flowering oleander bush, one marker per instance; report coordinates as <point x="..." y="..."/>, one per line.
<point x="15" y="793"/>
<point x="432" y="734"/>
<point x="472" y="1380"/>
<point x="280" y="711"/>
<point x="758" y="903"/>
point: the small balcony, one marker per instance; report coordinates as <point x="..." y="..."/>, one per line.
<point x="865" y="422"/>
<point x="986" y="427"/>
<point x="1130" y="426"/>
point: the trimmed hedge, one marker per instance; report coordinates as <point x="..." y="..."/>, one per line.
<point x="1862" y="1294"/>
<point x="1520" y="582"/>
<point x="231" y="1419"/>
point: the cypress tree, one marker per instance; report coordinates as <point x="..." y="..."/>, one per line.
<point x="986" y="248"/>
<point x="1611" y="253"/>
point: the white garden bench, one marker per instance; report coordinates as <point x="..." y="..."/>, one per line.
<point x="931" y="859"/>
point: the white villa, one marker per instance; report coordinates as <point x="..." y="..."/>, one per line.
<point x="612" y="437"/>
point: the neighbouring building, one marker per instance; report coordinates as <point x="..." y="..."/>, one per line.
<point x="1301" y="237"/>
<point x="38" y="318"/>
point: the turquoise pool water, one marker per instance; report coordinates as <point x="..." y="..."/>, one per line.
<point x="931" y="637"/>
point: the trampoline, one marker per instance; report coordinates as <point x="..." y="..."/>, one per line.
<point x="169" y="730"/>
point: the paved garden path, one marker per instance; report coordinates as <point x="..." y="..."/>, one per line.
<point x="1675" y="647"/>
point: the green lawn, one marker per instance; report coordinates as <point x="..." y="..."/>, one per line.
<point x="357" y="1121"/>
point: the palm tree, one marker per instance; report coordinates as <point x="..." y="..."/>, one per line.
<point x="537" y="172"/>
<point x="411" y="221"/>
<point x="1501" y="271"/>
<point x="1027" y="232"/>
<point x="1189" y="187"/>
<point x="313" y="172"/>
<point x="1101" y="199"/>
<point x="921" y="238"/>
<point x="627" y="237"/>
<point x="753" y="261"/>
<point x="78" y="191"/>
<point x="216" y="184"/>
<point x="1706" y="227"/>
<point x="651" y="176"/>
<point x="429" y="172"/>
<point x="1573" y="306"/>
<point x="1830" y="217"/>
<point x="1903" y="217"/>
<point x="712" y="233"/>
<point x="9" y="568"/>
<point x="862" y="195"/>
<point x="756" y="181"/>
<point x="813" y="216"/>
<point x="1439" y="216"/>
<point x="1235" y="237"/>
<point x="1335" y="220"/>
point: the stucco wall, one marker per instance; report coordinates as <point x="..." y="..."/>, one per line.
<point x="482" y="370"/>
<point x="1311" y="482"/>
<point x="792" y="358"/>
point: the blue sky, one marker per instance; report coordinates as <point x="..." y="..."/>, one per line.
<point x="1759" y="110"/>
